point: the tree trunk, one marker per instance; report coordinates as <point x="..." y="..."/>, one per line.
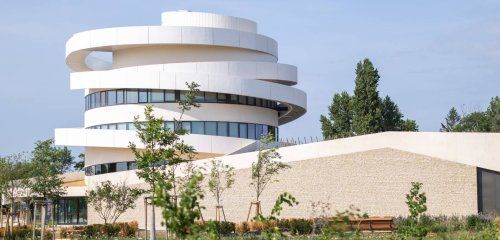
<point x="153" y="227"/>
<point x="1" y="212"/>
<point x="44" y="215"/>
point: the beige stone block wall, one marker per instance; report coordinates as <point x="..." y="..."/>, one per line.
<point x="375" y="181"/>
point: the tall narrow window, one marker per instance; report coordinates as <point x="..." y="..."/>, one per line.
<point x="111" y="98"/>
<point x="103" y="99"/>
<point x="143" y="96"/>
<point x="120" y="97"/>
<point x="233" y="130"/>
<point x="211" y="128"/>
<point x="251" y="131"/>
<point x="243" y="130"/>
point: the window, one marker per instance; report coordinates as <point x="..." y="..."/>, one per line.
<point x="210" y="97"/>
<point x="97" y="99"/>
<point x="222" y="129"/>
<point x="121" y="166"/>
<point x="112" y="126"/>
<point x="121" y="126"/>
<point x="143" y="96"/>
<point x="71" y="211"/>
<point x="243" y="130"/>
<point x="186" y="126"/>
<point x="111" y="167"/>
<point x="265" y="129"/>
<point x="170" y="96"/>
<point x="111" y="98"/>
<point x="251" y="101"/>
<point x="182" y="95"/>
<point x="131" y="165"/>
<point x="132" y="96"/>
<point x="120" y="97"/>
<point x="242" y="100"/>
<point x="233" y="99"/>
<point x="198" y="128"/>
<point x="103" y="99"/>
<point x="221" y="98"/>
<point x="258" y="102"/>
<point x="251" y="131"/>
<point x="233" y="130"/>
<point x="157" y="96"/>
<point x="259" y="128"/>
<point x="90" y="170"/>
<point x="131" y="126"/>
<point x="169" y="126"/>
<point x="211" y="128"/>
<point x="199" y="97"/>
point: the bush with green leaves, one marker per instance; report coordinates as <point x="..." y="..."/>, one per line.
<point x="110" y="200"/>
<point x="301" y="226"/>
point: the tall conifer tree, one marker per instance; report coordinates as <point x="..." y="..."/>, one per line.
<point x="367" y="117"/>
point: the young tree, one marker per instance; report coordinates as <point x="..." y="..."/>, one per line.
<point x="15" y="171"/>
<point x="110" y="201"/>
<point x="163" y="150"/>
<point x="367" y="113"/>
<point x="49" y="162"/>
<point x="221" y="178"/>
<point x="392" y="118"/>
<point x="265" y="169"/>
<point x="417" y="205"/>
<point x="338" y="124"/>
<point x="452" y="120"/>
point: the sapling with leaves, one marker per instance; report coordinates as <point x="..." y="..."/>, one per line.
<point x="274" y="232"/>
<point x="163" y="150"/>
<point x="221" y="178"/>
<point x="110" y="200"/>
<point x="265" y="169"/>
<point x="417" y="205"/>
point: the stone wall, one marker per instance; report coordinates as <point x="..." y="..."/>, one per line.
<point x="375" y="181"/>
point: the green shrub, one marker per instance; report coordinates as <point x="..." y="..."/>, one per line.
<point x="284" y="225"/>
<point x="301" y="226"/>
<point x="222" y="228"/>
<point x="477" y="222"/>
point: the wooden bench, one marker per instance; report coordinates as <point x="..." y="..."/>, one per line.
<point x="373" y="224"/>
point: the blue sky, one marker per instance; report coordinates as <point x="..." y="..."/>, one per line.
<point x="431" y="55"/>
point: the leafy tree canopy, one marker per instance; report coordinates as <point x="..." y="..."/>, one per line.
<point x="364" y="112"/>
<point x="477" y="121"/>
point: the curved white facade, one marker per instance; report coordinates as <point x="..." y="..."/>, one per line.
<point x="245" y="92"/>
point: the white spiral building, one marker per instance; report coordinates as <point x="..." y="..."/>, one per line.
<point x="244" y="91"/>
